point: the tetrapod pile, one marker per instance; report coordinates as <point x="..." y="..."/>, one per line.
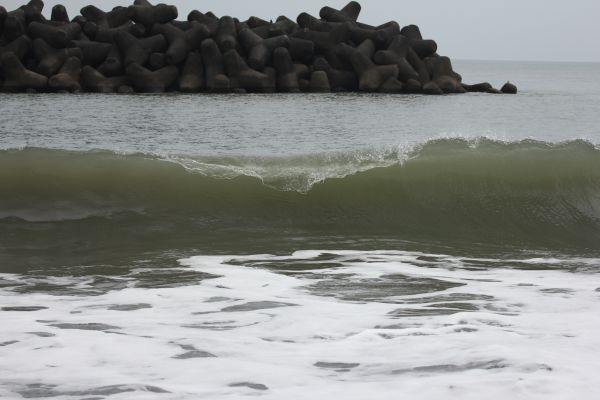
<point x="145" y="48"/>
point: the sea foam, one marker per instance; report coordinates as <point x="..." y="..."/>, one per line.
<point x="316" y="324"/>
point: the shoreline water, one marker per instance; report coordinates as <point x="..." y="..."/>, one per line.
<point x="297" y="326"/>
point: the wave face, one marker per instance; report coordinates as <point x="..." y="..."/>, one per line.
<point x="526" y="193"/>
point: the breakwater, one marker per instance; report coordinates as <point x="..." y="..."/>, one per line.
<point x="145" y="48"/>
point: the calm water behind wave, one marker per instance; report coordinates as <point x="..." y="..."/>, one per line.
<point x="557" y="102"/>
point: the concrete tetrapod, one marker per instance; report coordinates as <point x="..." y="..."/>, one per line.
<point x="301" y="50"/>
<point x="3" y="15"/>
<point x="94" y="81"/>
<point x="412" y="86"/>
<point x="287" y="77"/>
<point x="94" y="53"/>
<point x="50" y="59"/>
<point x="392" y="85"/>
<point x="445" y="77"/>
<point x="68" y="77"/>
<point x="33" y="11"/>
<point x="418" y="65"/>
<point x="157" y="61"/>
<point x="282" y="26"/>
<point x="20" y="47"/>
<point x="136" y="50"/>
<point x="111" y="19"/>
<point x="339" y="80"/>
<point x="181" y="42"/>
<point x="350" y="12"/>
<point x="208" y="19"/>
<point x="13" y="28"/>
<point x="325" y="41"/>
<point x="148" y="15"/>
<point x="113" y="64"/>
<point x="57" y="36"/>
<point x="109" y="35"/>
<point x="226" y="36"/>
<point x="484" y="87"/>
<point x="192" y="74"/>
<point x="509" y="88"/>
<point x="260" y="51"/>
<point x="381" y="36"/>
<point x="396" y="53"/>
<point x="242" y="75"/>
<point x="371" y="76"/>
<point x="18" y="78"/>
<point x="146" y="81"/>
<point x="59" y="14"/>
<point x="216" y="80"/>
<point x="307" y="21"/>
<point x="319" y="83"/>
<point x="424" y="48"/>
<point x="255" y="22"/>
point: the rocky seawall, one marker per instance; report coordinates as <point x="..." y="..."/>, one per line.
<point x="144" y="48"/>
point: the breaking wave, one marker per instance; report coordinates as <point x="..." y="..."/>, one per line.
<point x="526" y="193"/>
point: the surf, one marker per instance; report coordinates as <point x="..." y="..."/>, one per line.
<point x="524" y="193"/>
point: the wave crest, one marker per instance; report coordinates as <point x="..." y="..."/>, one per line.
<point x="444" y="189"/>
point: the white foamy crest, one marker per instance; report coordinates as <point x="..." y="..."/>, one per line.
<point x="295" y="173"/>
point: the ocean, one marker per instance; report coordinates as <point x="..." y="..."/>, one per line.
<point x="302" y="246"/>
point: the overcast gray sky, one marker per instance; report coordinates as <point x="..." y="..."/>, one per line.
<point x="549" y="30"/>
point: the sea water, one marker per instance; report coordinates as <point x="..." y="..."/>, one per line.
<point x="304" y="246"/>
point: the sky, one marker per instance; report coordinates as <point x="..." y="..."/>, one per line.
<point x="531" y="30"/>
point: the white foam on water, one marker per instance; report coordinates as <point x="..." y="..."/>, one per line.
<point x="345" y="329"/>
